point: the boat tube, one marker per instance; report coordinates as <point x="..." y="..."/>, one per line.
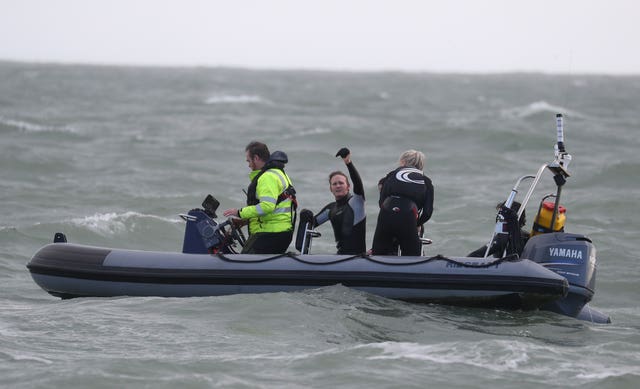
<point x="68" y="270"/>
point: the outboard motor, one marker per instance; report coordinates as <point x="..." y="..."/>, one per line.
<point x="572" y="256"/>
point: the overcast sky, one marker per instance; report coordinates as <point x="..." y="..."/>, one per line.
<point x="559" y="36"/>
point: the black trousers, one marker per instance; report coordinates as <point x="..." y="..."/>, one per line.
<point x="268" y="243"/>
<point x="397" y="226"/>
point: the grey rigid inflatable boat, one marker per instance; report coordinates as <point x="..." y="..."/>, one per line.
<point x="554" y="271"/>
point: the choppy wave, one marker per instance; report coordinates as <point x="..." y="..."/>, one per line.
<point x="536" y="108"/>
<point x="507" y="356"/>
<point x="311" y="131"/>
<point x="113" y="223"/>
<point x="33" y="127"/>
<point x="23" y="357"/>
<point x="512" y="356"/>
<point x="146" y="151"/>
<point x="234" y="99"/>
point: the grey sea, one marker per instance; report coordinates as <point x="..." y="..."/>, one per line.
<point x="111" y="155"/>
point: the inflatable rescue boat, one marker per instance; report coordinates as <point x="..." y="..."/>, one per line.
<point x="554" y="271"/>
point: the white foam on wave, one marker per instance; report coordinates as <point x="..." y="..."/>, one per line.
<point x="538" y="107"/>
<point x="234" y="99"/>
<point x="289" y="357"/>
<point x="602" y="372"/>
<point x="32" y="127"/>
<point x="507" y="355"/>
<point x="310" y="131"/>
<point x="113" y="223"/>
<point x="31" y="358"/>
<point x="512" y="355"/>
<point x="617" y="354"/>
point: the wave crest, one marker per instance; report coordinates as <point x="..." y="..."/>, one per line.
<point x="536" y="108"/>
<point x="32" y="127"/>
<point x="234" y="99"/>
<point x="310" y="131"/>
<point x="114" y="223"/>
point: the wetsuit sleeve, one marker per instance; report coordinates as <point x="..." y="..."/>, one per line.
<point x="322" y="216"/>
<point x="383" y="192"/>
<point x="358" y="188"/>
<point x="427" y="207"/>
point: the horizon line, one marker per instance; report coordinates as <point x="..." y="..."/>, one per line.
<point x="312" y="69"/>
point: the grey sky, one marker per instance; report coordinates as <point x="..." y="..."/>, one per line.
<point x="567" y="36"/>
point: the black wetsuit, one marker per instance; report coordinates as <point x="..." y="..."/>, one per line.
<point x="499" y="245"/>
<point x="406" y="202"/>
<point x="348" y="219"/>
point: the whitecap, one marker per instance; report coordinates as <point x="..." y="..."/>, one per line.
<point x="502" y="356"/>
<point x="579" y="83"/>
<point x="511" y="356"/>
<point x="32" y="127"/>
<point x="234" y="99"/>
<point x="604" y="372"/>
<point x="536" y="108"/>
<point x="32" y="359"/>
<point x="289" y="357"/>
<point x="113" y="223"/>
<point x="310" y="131"/>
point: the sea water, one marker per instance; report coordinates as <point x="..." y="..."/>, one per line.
<point x="111" y="155"/>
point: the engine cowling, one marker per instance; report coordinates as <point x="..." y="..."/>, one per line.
<point x="572" y="256"/>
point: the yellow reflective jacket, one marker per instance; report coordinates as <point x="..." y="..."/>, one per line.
<point x="269" y="215"/>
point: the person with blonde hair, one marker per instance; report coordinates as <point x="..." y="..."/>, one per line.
<point x="406" y="203"/>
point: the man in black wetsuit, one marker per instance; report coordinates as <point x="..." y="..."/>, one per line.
<point x="347" y="214"/>
<point x="406" y="203"/>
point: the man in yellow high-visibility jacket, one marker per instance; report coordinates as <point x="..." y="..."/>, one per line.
<point x="270" y="202"/>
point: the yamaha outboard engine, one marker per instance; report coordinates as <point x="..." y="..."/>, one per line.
<point x="573" y="256"/>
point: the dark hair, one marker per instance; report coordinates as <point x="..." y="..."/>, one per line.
<point x="516" y="207"/>
<point x="259" y="149"/>
<point x="338" y="173"/>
